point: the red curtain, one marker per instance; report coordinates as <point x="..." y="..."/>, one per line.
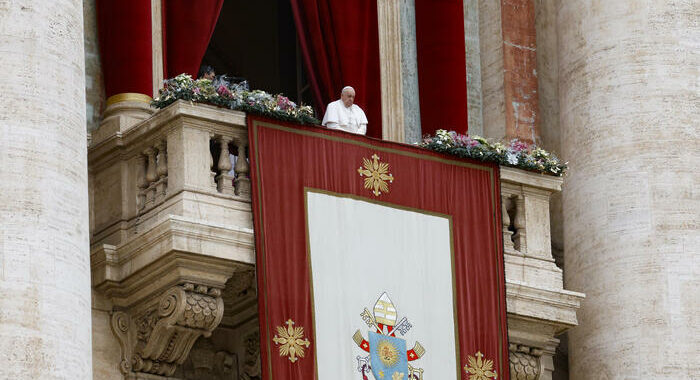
<point x="442" y="69"/>
<point x="340" y="45"/>
<point x="125" y="45"/>
<point x="187" y="29"/>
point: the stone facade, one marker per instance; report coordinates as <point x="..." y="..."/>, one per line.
<point x="170" y="255"/>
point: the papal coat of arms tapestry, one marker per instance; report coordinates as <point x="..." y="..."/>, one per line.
<point x="375" y="260"/>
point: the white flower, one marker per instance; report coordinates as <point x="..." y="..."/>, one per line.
<point x="512" y="158"/>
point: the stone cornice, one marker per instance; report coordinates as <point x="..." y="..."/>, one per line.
<point x="526" y="178"/>
<point x="553" y="307"/>
<point x="177" y="249"/>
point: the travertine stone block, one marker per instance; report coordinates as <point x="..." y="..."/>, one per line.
<point x="44" y="272"/>
<point x="629" y="106"/>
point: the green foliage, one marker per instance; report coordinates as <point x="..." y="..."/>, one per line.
<point x="516" y="154"/>
<point x="236" y="96"/>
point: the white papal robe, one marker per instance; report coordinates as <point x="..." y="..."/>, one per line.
<point x="350" y="119"/>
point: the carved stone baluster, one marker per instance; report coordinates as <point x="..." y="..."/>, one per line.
<point x="519" y="224"/>
<point x="141" y="182"/>
<point x="224" y="181"/>
<point x="162" y="171"/>
<point x="212" y="170"/>
<point x="242" y="169"/>
<point x="151" y="176"/>
<point x="507" y="233"/>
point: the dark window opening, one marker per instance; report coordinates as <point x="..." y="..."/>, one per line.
<point x="257" y="41"/>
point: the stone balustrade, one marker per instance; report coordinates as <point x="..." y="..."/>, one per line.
<point x="177" y="162"/>
<point x="539" y="308"/>
<point x="172" y="227"/>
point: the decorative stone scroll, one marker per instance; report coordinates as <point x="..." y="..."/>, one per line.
<point x="524" y="362"/>
<point x="157" y="340"/>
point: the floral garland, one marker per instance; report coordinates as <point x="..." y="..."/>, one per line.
<point x="517" y="154"/>
<point x="236" y="96"/>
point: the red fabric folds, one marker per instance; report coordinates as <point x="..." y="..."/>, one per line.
<point x="340" y="45"/>
<point x="187" y="29"/>
<point x="442" y="70"/>
<point x="125" y="45"/>
<point x="286" y="159"/>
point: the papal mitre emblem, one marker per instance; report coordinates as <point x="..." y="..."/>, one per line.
<point x="384" y="311"/>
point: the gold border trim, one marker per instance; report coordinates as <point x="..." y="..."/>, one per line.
<point x="128" y="97"/>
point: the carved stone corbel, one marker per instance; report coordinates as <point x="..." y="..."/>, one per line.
<point x="524" y="362"/>
<point x="158" y="337"/>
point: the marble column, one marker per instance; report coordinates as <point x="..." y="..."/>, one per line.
<point x="45" y="321"/>
<point x="629" y="106"/>
<point x="409" y="72"/>
<point x="399" y="70"/>
<point x="473" y="59"/>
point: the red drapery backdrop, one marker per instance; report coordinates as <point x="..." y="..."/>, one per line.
<point x="340" y="45"/>
<point x="126" y="40"/>
<point x="125" y="45"/>
<point x="187" y="29"/>
<point x="286" y="159"/>
<point x="442" y="70"/>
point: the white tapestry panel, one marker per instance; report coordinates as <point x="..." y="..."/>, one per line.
<point x="360" y="250"/>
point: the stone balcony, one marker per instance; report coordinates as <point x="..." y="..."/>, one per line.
<point x="173" y="251"/>
<point x="172" y="240"/>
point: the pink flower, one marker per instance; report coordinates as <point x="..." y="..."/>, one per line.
<point x="466" y="141"/>
<point x="196" y="90"/>
<point x="283" y="102"/>
<point x="518" y="146"/>
<point x="223" y="91"/>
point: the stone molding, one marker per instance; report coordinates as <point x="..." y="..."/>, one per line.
<point x="175" y="250"/>
<point x="160" y="337"/>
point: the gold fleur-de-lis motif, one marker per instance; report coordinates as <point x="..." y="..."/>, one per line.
<point x="479" y="369"/>
<point x="291" y="341"/>
<point x="377" y="174"/>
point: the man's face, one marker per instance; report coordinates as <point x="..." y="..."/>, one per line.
<point x="209" y="75"/>
<point x="348" y="97"/>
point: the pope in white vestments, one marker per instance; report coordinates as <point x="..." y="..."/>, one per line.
<point x="343" y="114"/>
